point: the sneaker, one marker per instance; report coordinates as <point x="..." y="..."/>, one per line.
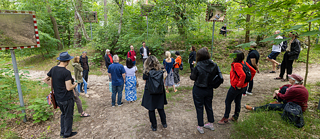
<point x="113" y="105"/>
<point x="175" y="85"/>
<point x="209" y="126"/>
<point x="87" y="95"/>
<point x="200" y="129"/>
<point x="272" y="72"/>
<point x="248" y="107"/>
<point x="232" y="119"/>
<point x="223" y="121"/>
<point x="120" y="105"/>
<point x="249" y="93"/>
<point x="244" y="95"/>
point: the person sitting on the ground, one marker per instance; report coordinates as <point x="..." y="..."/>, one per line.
<point x="293" y="92"/>
<point x="223" y="30"/>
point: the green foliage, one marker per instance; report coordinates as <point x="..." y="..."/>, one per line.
<point x="41" y="110"/>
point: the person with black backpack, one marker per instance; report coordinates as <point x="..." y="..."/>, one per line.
<point x="177" y="67"/>
<point x="240" y="75"/>
<point x="154" y="96"/>
<point x="293" y="92"/>
<point x="203" y="75"/>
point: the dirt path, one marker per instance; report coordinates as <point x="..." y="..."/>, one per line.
<point x="131" y="120"/>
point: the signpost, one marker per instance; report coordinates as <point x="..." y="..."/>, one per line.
<point x="90" y="17"/>
<point x="145" y="10"/>
<point x="21" y="31"/>
<point x="215" y="13"/>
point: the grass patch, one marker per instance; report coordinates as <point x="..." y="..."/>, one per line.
<point x="182" y="89"/>
<point x="8" y="134"/>
<point x="76" y="117"/>
<point x="268" y="124"/>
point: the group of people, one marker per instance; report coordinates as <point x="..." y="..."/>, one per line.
<point x="241" y="78"/>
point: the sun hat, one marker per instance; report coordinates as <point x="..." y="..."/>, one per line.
<point x="64" y="56"/>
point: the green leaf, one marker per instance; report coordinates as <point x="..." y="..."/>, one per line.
<point x="310" y="33"/>
<point x="313" y="19"/>
<point x="232" y="55"/>
<point x="294" y="28"/>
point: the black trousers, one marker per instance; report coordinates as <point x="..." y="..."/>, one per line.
<point x="191" y="67"/>
<point x="85" y="74"/>
<point x="67" y="108"/>
<point x="235" y="95"/>
<point x="203" y="96"/>
<point x="286" y="64"/>
<point x="250" y="86"/>
<point x="152" y="117"/>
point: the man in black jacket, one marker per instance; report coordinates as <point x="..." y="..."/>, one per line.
<point x="85" y="66"/>
<point x="144" y="52"/>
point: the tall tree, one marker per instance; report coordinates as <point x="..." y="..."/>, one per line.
<point x="77" y="33"/>
<point x="55" y="25"/>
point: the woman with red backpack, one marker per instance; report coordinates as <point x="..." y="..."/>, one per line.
<point x="239" y="78"/>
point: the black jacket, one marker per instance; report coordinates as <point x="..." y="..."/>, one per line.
<point x="204" y="73"/>
<point x="81" y="62"/>
<point x="141" y="51"/>
<point x="152" y="102"/>
<point x="192" y="57"/>
<point x="295" y="50"/>
<point x="107" y="60"/>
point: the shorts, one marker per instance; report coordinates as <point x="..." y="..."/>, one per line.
<point x="273" y="55"/>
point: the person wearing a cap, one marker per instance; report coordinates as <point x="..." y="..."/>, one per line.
<point x="63" y="86"/>
<point x="176" y="69"/>
<point x="276" y="49"/>
<point x="293" y="92"/>
<point x="253" y="60"/>
<point x="292" y="53"/>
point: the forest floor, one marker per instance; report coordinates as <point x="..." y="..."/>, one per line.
<point x="131" y="120"/>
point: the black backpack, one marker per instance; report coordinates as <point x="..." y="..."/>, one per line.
<point x="292" y="113"/>
<point x="284" y="45"/>
<point x="155" y="83"/>
<point x="181" y="66"/>
<point x="246" y="70"/>
<point x="218" y="79"/>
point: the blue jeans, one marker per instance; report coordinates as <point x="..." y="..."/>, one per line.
<point x="115" y="90"/>
<point x="134" y="63"/>
<point x="85" y="86"/>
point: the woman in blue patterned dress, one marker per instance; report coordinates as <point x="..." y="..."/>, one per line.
<point x="168" y="65"/>
<point x="131" y="81"/>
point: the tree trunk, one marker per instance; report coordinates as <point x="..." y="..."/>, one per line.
<point x="307" y="64"/>
<point x="55" y="25"/>
<point x="121" y="14"/>
<point x="105" y="12"/>
<point x="69" y="35"/>
<point x="247" y="37"/>
<point x="77" y="33"/>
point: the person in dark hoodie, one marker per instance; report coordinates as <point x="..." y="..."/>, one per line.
<point x="202" y="92"/>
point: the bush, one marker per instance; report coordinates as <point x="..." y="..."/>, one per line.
<point x="42" y="111"/>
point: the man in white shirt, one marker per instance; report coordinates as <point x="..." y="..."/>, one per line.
<point x="276" y="49"/>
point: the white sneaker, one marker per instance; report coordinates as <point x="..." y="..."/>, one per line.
<point x="175" y="85"/>
<point x="249" y="93"/>
<point x="244" y="95"/>
<point x="87" y="95"/>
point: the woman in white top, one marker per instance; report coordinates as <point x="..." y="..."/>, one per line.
<point x="131" y="81"/>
